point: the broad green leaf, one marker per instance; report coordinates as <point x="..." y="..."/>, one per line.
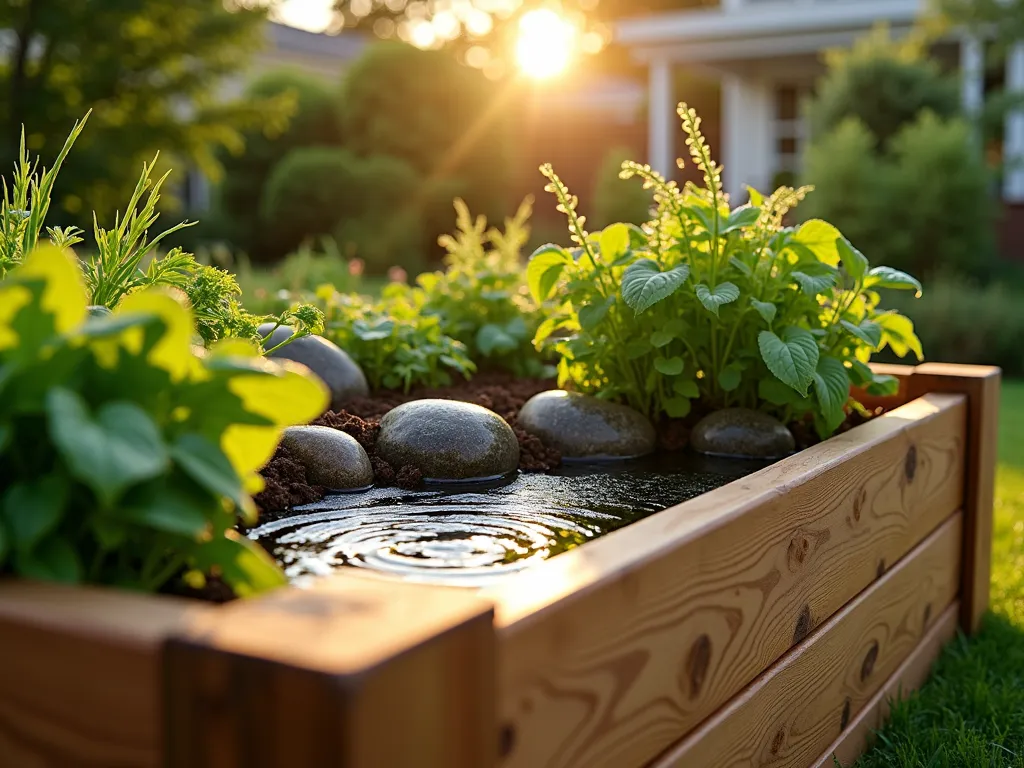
<point x="744" y="216"/>
<point x="173" y="349"/>
<point x="670" y="366"/>
<point x="898" y="333"/>
<point x="730" y="379"/>
<point x="820" y="237"/>
<point x="887" y="277"/>
<point x="832" y="388"/>
<point x="591" y="315"/>
<point x="167" y="509"/>
<point x="883" y="385"/>
<point x="677" y="407"/>
<point x="765" y="309"/>
<point x="860" y="373"/>
<point x="493" y="338"/>
<point x="756" y="198"/>
<point x="792" y="358"/>
<point x="243" y="564"/>
<point x="661" y="339"/>
<point x="741" y="266"/>
<point x="548" y="327"/>
<point x="686" y="388"/>
<point x="677" y="327"/>
<point x="64" y="295"/>
<point x="637" y="348"/>
<point x="614" y="242"/>
<point x="775" y="392"/>
<point x="205" y="463"/>
<point x="868" y="332"/>
<point x="713" y="299"/>
<point x="814" y="284"/>
<point x="54" y="560"/>
<point x="637" y="238"/>
<point x="544" y="269"/>
<point x="854" y="262"/>
<point x="644" y="284"/>
<point x="120" y="447"/>
<point x="33" y="510"/>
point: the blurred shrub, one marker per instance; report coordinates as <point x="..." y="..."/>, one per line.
<point x="314" y="122"/>
<point x="893" y="165"/>
<point x="885" y="84"/>
<point x="616" y="200"/>
<point x="362" y="202"/>
<point x="434" y="113"/>
<point x="960" y="321"/>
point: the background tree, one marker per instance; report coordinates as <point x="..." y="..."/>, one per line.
<point x="149" y="70"/>
<point x="896" y="166"/>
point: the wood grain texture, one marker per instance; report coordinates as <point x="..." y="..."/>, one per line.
<point x="911" y="675"/>
<point x="981" y="385"/>
<point x="80" y="675"/>
<point x="355" y="673"/>
<point x="614" y="651"/>
<point x="792" y="713"/>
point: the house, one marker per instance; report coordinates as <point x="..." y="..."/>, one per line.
<point x="766" y="54"/>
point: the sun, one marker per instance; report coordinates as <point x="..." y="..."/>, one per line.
<point x="545" y="43"/>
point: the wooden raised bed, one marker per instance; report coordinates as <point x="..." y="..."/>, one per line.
<point x="764" y="623"/>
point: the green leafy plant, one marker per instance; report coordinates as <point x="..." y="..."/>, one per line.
<point x="393" y="340"/>
<point x="125" y="458"/>
<point x="127" y="259"/>
<point x="481" y="297"/>
<point x="723" y="306"/>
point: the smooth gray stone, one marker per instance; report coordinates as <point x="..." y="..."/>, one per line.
<point x="332" y="458"/>
<point x="584" y="427"/>
<point x="742" y="433"/>
<point x="343" y="377"/>
<point x="448" y="440"/>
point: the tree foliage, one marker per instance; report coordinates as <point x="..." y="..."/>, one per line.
<point x="149" y="69"/>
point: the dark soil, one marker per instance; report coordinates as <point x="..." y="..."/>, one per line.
<point x="286" y="484"/>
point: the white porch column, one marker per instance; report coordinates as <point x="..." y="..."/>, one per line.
<point x="972" y="82"/>
<point x="1013" y="142"/>
<point x="660" y="111"/>
<point x="748" y="154"/>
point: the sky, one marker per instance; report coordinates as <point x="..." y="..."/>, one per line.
<point x="312" y="15"/>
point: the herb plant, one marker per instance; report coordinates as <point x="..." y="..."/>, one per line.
<point x="727" y="307"/>
<point x="393" y="340"/>
<point x="126" y="459"/>
<point x="127" y="258"/>
<point x="481" y="297"/>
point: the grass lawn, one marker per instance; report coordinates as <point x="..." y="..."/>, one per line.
<point x="971" y="712"/>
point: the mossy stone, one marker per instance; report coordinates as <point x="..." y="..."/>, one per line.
<point x="584" y="427"/>
<point x="448" y="440"/>
<point x="332" y="458"/>
<point x="742" y="433"/>
<point x="343" y="377"/>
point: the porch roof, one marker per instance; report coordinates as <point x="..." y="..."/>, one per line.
<point x="761" y="28"/>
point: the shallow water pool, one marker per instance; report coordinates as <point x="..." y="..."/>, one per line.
<point x="474" y="535"/>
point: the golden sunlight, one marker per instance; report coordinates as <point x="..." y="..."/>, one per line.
<point x="545" y="43"/>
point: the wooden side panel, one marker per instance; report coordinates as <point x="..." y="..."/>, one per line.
<point x="80" y="675"/>
<point x="356" y="673"/>
<point x="981" y="385"/>
<point x="910" y="676"/>
<point x="792" y="713"/>
<point x="612" y="652"/>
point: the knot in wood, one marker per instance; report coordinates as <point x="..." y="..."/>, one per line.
<point x="799" y="548"/>
<point x="506" y="740"/>
<point x="844" y="719"/>
<point x="880" y="571"/>
<point x="803" y="625"/>
<point x="910" y="463"/>
<point x="697" y="663"/>
<point x="868" y="665"/>
<point x="927" y="613"/>
<point x="779" y="741"/>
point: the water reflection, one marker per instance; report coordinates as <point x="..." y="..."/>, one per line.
<point x="473" y="536"/>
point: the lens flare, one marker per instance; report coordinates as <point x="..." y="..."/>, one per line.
<point x="545" y="43"/>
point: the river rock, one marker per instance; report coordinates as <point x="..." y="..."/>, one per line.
<point x="448" y="440"/>
<point x="98" y="310"/>
<point x="338" y="371"/>
<point x="584" y="427"/>
<point x="331" y="457"/>
<point x="742" y="433"/>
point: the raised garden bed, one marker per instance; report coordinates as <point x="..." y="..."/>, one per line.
<point x="764" y="623"/>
